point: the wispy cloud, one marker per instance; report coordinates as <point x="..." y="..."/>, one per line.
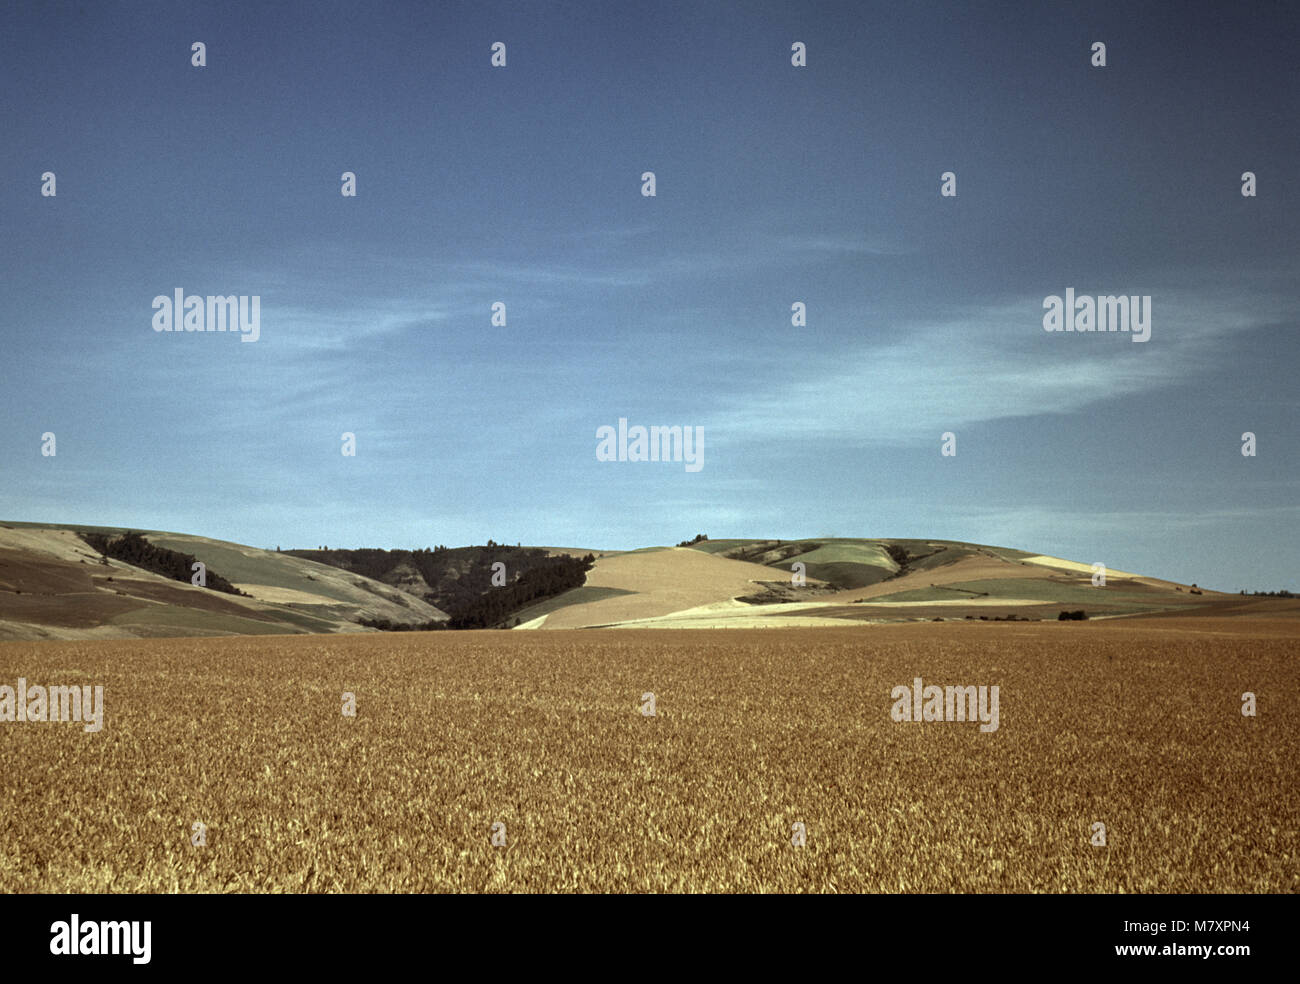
<point x="917" y="380"/>
<point x="843" y="244"/>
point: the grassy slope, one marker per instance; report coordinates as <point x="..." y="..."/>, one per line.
<point x="71" y="590"/>
<point x="852" y="562"/>
<point x="301" y="595"/>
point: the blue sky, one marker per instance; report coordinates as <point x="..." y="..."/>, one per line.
<point x="775" y="184"/>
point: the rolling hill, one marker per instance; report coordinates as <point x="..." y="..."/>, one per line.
<point x="55" y="585"/>
<point x="852" y="580"/>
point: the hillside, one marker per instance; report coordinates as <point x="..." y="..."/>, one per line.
<point x="55" y="585"/>
<point x="478" y="587"/>
<point x="748" y="584"/>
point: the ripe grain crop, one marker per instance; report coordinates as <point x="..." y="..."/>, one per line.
<point x="1134" y="725"/>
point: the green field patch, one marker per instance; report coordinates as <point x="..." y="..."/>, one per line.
<point x="325" y="622"/>
<point x="272" y="570"/>
<point x="848" y="576"/>
<point x="932" y="594"/>
<point x="843" y="552"/>
<point x="846" y="563"/>
<point x="718" y="546"/>
<point x="1077" y="595"/>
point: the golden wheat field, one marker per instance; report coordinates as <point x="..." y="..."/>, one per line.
<point x="1134" y="725"/>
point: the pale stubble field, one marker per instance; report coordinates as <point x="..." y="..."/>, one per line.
<point x="1136" y="725"/>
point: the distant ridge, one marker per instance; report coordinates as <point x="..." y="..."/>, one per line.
<point x="55" y="585"/>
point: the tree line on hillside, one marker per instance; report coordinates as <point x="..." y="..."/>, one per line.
<point x="556" y="576"/>
<point x="386" y="625"/>
<point x="452" y="577"/>
<point x="465" y="582"/>
<point x="367" y="561"/>
<point x="132" y="548"/>
<point x="493" y="608"/>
